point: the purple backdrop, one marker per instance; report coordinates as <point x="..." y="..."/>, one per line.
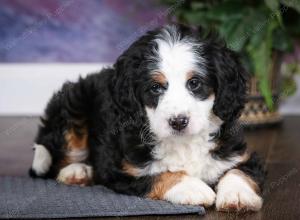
<point x="73" y="30"/>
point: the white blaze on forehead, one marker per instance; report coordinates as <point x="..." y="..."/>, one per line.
<point x="177" y="56"/>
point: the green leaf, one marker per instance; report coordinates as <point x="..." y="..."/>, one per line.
<point x="260" y="54"/>
<point x="257" y="26"/>
<point x="247" y="62"/>
<point x="196" y="18"/>
<point x="260" y="59"/>
<point x="227" y="28"/>
<point x="243" y="30"/>
<point x="272" y="4"/>
<point x="198" y="5"/>
<point x="295" y="4"/>
<point x="226" y="10"/>
<point x="238" y="39"/>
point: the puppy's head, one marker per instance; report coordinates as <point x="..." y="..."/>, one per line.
<point x="185" y="84"/>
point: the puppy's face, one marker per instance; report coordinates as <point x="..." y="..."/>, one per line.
<point x="180" y="96"/>
<point x="185" y="85"/>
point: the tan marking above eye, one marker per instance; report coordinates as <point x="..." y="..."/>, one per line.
<point x="159" y="77"/>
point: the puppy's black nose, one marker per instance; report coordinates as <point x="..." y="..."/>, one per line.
<point x="179" y="122"/>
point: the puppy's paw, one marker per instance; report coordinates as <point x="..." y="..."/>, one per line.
<point x="235" y="193"/>
<point x="235" y="200"/>
<point x="76" y="174"/>
<point x="191" y="191"/>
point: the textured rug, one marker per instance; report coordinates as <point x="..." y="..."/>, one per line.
<point x="22" y="197"/>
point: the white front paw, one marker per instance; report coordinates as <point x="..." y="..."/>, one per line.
<point x="236" y="194"/>
<point x="191" y="191"/>
<point x="235" y="200"/>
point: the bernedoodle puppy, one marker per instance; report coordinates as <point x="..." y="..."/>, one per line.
<point x="160" y="123"/>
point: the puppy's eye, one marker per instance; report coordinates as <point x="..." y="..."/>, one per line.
<point x="157" y="89"/>
<point x="193" y="84"/>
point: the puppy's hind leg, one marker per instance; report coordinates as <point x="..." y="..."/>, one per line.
<point x="75" y="170"/>
<point x="42" y="161"/>
<point x="76" y="174"/>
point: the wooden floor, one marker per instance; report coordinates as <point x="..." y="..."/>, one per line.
<point x="278" y="145"/>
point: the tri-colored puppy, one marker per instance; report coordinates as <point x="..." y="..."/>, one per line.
<point x="160" y="123"/>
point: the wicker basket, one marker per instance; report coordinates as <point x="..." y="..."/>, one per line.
<point x="256" y="112"/>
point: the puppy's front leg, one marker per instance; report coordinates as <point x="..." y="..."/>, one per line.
<point x="180" y="188"/>
<point x="236" y="191"/>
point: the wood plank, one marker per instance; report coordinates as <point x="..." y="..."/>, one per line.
<point x="16" y="141"/>
<point x="287" y="145"/>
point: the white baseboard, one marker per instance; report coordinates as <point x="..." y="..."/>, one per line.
<point x="26" y="88"/>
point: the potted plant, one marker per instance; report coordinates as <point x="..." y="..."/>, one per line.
<point x="261" y="31"/>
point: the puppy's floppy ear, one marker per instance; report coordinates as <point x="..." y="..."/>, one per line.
<point x="231" y="83"/>
<point x="124" y="85"/>
<point x="131" y="68"/>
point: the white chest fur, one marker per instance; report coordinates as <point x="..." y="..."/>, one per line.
<point x="191" y="155"/>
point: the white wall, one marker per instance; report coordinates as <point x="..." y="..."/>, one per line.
<point x="26" y="88"/>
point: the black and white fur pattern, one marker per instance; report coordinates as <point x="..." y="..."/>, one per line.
<point x="168" y="106"/>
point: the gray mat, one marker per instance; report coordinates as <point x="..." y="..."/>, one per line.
<point x="36" y="198"/>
